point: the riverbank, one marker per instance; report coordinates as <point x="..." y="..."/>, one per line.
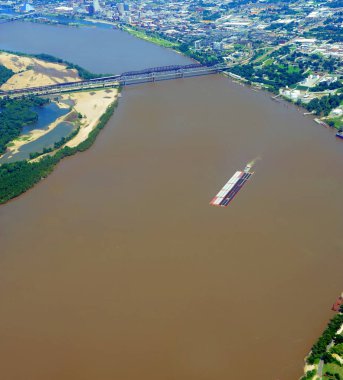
<point x="155" y="39"/>
<point x="326" y="355"/>
<point x="31" y="71"/>
<point x="90" y="106"/>
<point x="34" y="72"/>
<point x="16" y="144"/>
<point x="85" y="110"/>
<point x="331" y="119"/>
<point x="335" y="119"/>
<point x="18" y="177"/>
<point x="48" y="59"/>
<point x="88" y="113"/>
<point x="139" y="33"/>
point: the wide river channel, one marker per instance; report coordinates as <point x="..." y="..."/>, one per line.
<point x="116" y="267"/>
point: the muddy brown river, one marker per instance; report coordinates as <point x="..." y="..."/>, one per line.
<point x="116" y="267"/>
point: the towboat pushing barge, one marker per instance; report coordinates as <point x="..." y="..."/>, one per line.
<point x="232" y="187"/>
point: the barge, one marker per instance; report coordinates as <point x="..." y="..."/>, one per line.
<point x="232" y="187"/>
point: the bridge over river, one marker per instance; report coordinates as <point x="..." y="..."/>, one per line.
<point x="153" y="74"/>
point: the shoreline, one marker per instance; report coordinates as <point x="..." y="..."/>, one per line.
<point x="84" y="108"/>
<point x="233" y="77"/>
<point x="29" y="70"/>
<point x="89" y="112"/>
<point x="323" y="354"/>
<point x="43" y="166"/>
<point x="33" y="135"/>
<point x="91" y="105"/>
<point x="162" y="42"/>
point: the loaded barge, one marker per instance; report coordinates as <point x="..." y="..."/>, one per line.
<point x="232" y="187"/>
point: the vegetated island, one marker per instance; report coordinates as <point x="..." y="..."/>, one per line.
<point x="87" y="111"/>
<point x="326" y="357"/>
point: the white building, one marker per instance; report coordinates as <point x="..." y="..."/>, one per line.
<point x="96" y="6"/>
<point x="121" y="9"/>
<point x="197" y="45"/>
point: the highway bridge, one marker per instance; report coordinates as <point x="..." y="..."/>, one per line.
<point x="153" y="74"/>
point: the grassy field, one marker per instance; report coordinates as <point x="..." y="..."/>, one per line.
<point x="292" y="69"/>
<point x="268" y="62"/>
<point x="338" y="122"/>
<point x="154" y="39"/>
<point x="332" y="368"/>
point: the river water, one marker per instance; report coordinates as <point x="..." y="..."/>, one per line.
<point x="100" y="50"/>
<point x="116" y="267"/>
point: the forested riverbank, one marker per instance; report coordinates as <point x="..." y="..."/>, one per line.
<point x="326" y="356"/>
<point x="18" y="177"/>
<point x="15" y="114"/>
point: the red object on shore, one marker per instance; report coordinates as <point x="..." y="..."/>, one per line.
<point x="336" y="306"/>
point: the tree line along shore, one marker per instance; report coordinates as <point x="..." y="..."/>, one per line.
<point x="89" y="113"/>
<point x="325" y="359"/>
<point x="20" y="176"/>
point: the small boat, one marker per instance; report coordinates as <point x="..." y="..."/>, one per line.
<point x="339" y="134"/>
<point x="337" y="305"/>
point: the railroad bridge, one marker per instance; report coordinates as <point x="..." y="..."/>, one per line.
<point x="152" y="74"/>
